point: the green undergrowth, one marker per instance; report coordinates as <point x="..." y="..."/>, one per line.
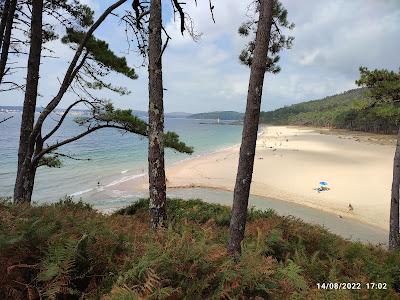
<point x="68" y="250"/>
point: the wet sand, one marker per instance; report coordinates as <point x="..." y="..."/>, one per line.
<point x="290" y="162"/>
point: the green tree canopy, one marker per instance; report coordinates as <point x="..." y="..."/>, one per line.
<point x="100" y="52"/>
<point x="383" y="85"/>
<point x="278" y="40"/>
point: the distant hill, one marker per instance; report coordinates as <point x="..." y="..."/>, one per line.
<point x="142" y="113"/>
<point x="11" y="109"/>
<point x="348" y="110"/>
<point x="222" y="115"/>
<point x="138" y="113"/>
<point x="178" y="114"/>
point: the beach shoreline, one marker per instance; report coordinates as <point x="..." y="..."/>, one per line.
<point x="290" y="162"/>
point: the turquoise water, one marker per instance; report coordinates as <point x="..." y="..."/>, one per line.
<point x="114" y="157"/>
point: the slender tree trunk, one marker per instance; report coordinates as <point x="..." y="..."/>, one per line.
<point x="157" y="187"/>
<point x="26" y="184"/>
<point x="6" y="38"/>
<point x="25" y="169"/>
<point x="3" y="21"/>
<point x="394" y="204"/>
<point x="250" y="128"/>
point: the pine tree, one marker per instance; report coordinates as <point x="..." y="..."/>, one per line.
<point x="157" y="184"/>
<point x="384" y="87"/>
<point x="146" y="23"/>
<point x="261" y="56"/>
<point x="92" y="60"/>
<point x="6" y="25"/>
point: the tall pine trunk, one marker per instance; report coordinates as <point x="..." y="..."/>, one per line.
<point x="250" y="129"/>
<point x="394" y="204"/>
<point x="6" y="27"/>
<point x="3" y="21"/>
<point x="157" y="186"/>
<point x="26" y="171"/>
<point x="26" y="183"/>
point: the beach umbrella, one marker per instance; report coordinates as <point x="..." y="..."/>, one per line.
<point x="323" y="183"/>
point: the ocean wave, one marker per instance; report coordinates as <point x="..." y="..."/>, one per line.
<point x="118" y="194"/>
<point x="124" y="179"/>
<point x="80" y="193"/>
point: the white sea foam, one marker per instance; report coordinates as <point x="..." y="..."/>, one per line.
<point x="124" y="179"/>
<point x="136" y="176"/>
<point x="80" y="193"/>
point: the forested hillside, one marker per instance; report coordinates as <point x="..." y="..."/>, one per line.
<point x="350" y="110"/>
<point x="222" y="115"/>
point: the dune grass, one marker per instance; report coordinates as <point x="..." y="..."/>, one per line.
<point x="68" y="250"/>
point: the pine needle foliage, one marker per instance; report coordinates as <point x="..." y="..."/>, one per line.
<point x="383" y="85"/>
<point x="100" y="52"/>
<point x="81" y="13"/>
<point x="106" y="114"/>
<point x="278" y="40"/>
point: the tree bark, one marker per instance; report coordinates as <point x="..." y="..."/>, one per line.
<point x="23" y="182"/>
<point x="3" y="21"/>
<point x="6" y="38"/>
<point x="250" y="129"/>
<point x="157" y="188"/>
<point x="26" y="183"/>
<point x="394" y="204"/>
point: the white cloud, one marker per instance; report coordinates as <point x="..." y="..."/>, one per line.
<point x="309" y="58"/>
<point x="332" y="39"/>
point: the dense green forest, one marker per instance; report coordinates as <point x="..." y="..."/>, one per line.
<point x="222" y="115"/>
<point x="68" y="250"/>
<point x="352" y="110"/>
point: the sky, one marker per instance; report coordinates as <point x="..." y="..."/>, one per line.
<point x="333" y="38"/>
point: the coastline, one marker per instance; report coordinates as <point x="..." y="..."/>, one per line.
<point x="290" y="162"/>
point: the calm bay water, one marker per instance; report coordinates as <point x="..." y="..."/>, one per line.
<point x="114" y="157"/>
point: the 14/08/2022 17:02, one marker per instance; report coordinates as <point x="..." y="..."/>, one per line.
<point x="351" y="285"/>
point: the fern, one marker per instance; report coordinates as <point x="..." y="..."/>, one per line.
<point x="122" y="293"/>
<point x="58" y="267"/>
<point x="292" y="272"/>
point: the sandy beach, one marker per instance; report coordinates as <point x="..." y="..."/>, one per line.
<point x="290" y="163"/>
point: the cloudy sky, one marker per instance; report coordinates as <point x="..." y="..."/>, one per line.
<point x="332" y="39"/>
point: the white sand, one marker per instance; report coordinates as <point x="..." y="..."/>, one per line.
<point x="290" y="163"/>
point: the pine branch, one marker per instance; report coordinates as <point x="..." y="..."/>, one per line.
<point x="2" y="121"/>
<point x="73" y="139"/>
<point x="71" y="157"/>
<point x="178" y="7"/>
<point x="73" y="69"/>
<point x="64" y="116"/>
<point x="211" y="10"/>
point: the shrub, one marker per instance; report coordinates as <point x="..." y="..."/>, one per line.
<point x="68" y="250"/>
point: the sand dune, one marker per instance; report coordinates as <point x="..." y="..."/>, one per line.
<point x="290" y="163"/>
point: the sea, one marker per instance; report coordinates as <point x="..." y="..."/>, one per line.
<point x="109" y="157"/>
<point x="104" y="158"/>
